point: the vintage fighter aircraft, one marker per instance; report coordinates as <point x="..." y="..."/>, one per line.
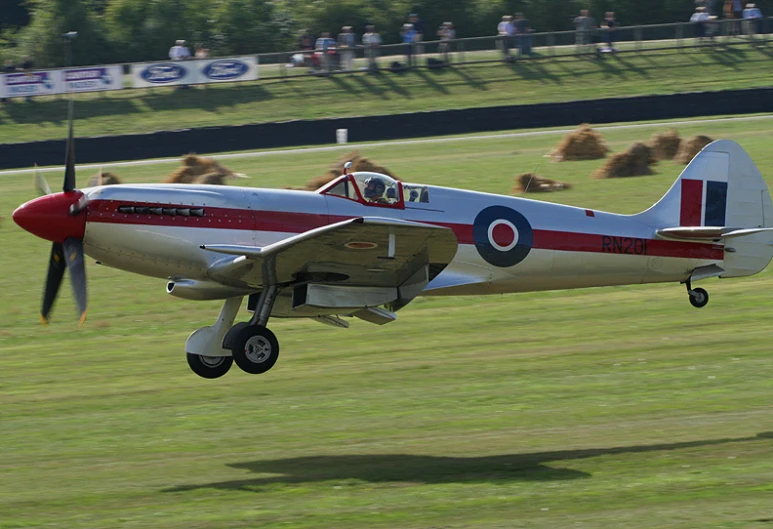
<point x="365" y="245"/>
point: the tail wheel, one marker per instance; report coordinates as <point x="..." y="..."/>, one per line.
<point x="255" y="349"/>
<point x="698" y="297"/>
<point x="209" y="366"/>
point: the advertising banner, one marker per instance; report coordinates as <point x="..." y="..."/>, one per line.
<point x="93" y="79"/>
<point x="26" y="84"/>
<point x="168" y="73"/>
<point x="228" y="70"/>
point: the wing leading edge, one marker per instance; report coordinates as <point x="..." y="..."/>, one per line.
<point x="364" y="252"/>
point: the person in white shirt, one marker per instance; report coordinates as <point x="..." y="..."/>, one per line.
<point x="371" y="40"/>
<point x="700" y="18"/>
<point x="751" y="19"/>
<point x="346" y="45"/>
<point x="179" y="52"/>
<point x="505" y="31"/>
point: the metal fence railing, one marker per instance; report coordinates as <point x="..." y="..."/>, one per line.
<point x="467" y="51"/>
<point x="534" y="46"/>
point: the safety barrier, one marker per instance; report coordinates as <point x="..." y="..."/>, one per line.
<point x="395" y="57"/>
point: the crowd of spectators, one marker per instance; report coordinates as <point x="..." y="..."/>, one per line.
<point x="739" y="19"/>
<point x="514" y="38"/>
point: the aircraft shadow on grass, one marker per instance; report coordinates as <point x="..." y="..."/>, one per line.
<point x="382" y="468"/>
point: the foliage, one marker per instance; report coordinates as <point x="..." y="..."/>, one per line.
<point x="266" y="29"/>
<point x="42" y="38"/>
<point x="146" y="29"/>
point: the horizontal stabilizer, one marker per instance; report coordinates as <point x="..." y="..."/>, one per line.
<point x="701" y="233"/>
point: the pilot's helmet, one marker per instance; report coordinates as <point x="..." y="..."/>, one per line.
<point x="374" y="187"/>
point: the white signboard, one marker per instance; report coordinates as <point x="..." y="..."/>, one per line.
<point x="93" y="79"/>
<point x="228" y="70"/>
<point x="25" y="84"/>
<point x="168" y="73"/>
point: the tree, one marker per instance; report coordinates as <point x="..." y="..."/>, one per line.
<point x="142" y="30"/>
<point x="253" y="26"/>
<point x="42" y="39"/>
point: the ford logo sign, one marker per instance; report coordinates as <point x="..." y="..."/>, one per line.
<point x="163" y="73"/>
<point x="226" y="69"/>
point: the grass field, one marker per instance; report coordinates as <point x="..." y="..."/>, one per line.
<point x="534" y="81"/>
<point x="610" y="407"/>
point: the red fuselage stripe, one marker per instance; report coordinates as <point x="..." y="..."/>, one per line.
<point x="101" y="211"/>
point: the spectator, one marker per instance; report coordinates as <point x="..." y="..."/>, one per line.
<point x="523" y="34"/>
<point x="418" y="27"/>
<point x="306" y="45"/>
<point x="751" y="19"/>
<point x="505" y="31"/>
<point x="609" y="25"/>
<point x="408" y="36"/>
<point x="201" y="51"/>
<point x="372" y="41"/>
<point x="584" y="24"/>
<point x="346" y="44"/>
<point x="325" y="49"/>
<point x="179" y="52"/>
<point x="306" y="42"/>
<point x="733" y="11"/>
<point x="446" y="33"/>
<point x="699" y="19"/>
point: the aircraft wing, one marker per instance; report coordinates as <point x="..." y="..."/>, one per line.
<point x="368" y="251"/>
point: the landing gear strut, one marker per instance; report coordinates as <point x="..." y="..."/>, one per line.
<point x="255" y="349"/>
<point x="698" y="297"/>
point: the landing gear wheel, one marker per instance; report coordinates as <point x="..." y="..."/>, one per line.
<point x="209" y="366"/>
<point x="698" y="297"/>
<point x="255" y="349"/>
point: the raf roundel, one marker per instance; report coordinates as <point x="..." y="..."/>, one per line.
<point x="503" y="237"/>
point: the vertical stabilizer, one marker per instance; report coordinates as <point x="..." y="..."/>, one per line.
<point x="721" y="187"/>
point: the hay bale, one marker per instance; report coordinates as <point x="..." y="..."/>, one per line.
<point x="195" y="167"/>
<point x="531" y="183"/>
<point x="635" y="161"/>
<point x="108" y="179"/>
<point x="665" y="145"/>
<point x="359" y="163"/>
<point x="581" y="144"/>
<point x="690" y="147"/>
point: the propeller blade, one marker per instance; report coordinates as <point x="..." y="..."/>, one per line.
<point x="56" y="268"/>
<point x="73" y="251"/>
<point x="69" y="164"/>
<point x="41" y="183"/>
<point x="99" y="177"/>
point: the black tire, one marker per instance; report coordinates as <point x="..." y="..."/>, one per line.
<point x="255" y="349"/>
<point x="699" y="298"/>
<point x="209" y="366"/>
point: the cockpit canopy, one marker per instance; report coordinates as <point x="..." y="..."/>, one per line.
<point x="368" y="188"/>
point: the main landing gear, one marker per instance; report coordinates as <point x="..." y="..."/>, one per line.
<point x="699" y="298"/>
<point x="212" y="350"/>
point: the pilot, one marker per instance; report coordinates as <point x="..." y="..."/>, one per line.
<point x="374" y="190"/>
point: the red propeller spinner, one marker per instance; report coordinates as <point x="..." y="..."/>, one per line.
<point x="54" y="217"/>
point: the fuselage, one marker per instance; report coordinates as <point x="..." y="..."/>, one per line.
<point x="506" y="244"/>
